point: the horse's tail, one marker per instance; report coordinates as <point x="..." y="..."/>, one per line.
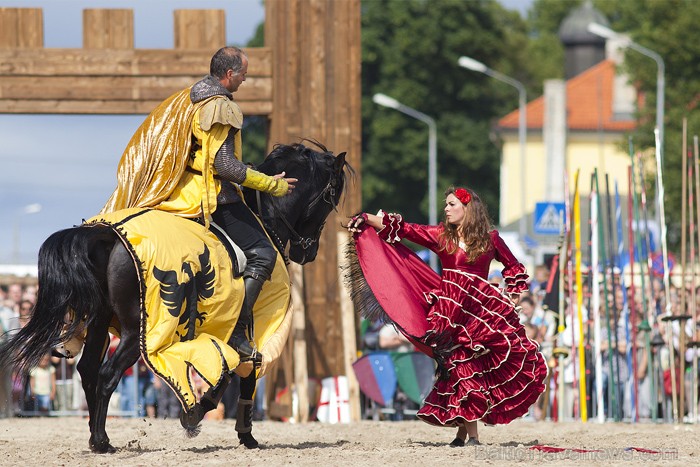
<point x="71" y="292"/>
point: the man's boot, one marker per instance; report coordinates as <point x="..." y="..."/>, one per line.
<point x="240" y="342"/>
<point x="244" y="424"/>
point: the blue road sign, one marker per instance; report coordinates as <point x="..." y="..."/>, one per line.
<point x="548" y="218"/>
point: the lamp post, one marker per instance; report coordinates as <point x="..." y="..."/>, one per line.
<point x="607" y="33"/>
<point x="28" y="209"/>
<point x="474" y="65"/>
<point x="390" y="102"/>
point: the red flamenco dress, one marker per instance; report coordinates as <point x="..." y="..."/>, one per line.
<point x="488" y="368"/>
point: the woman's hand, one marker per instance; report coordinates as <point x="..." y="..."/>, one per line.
<point x="355" y="222"/>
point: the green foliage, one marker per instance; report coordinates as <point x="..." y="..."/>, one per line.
<point x="667" y="27"/>
<point x="409" y="52"/>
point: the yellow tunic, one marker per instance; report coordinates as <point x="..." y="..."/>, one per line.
<point x="152" y="173"/>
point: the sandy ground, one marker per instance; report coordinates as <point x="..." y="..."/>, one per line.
<point x="64" y="441"/>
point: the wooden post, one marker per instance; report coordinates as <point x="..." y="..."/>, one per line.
<point x="108" y="29"/>
<point x="301" y="372"/>
<point x="200" y="29"/>
<point x="21" y="28"/>
<point x="347" y="317"/>
<point x="316" y="95"/>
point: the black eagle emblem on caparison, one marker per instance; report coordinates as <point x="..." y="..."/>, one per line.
<point x="197" y="286"/>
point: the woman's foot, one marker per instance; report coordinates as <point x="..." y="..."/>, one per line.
<point x="457" y="443"/>
<point x="472" y="442"/>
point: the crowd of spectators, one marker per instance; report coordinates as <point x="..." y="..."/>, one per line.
<point x="638" y="333"/>
<point x="54" y="386"/>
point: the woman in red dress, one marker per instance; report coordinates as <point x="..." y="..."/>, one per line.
<point x="488" y="369"/>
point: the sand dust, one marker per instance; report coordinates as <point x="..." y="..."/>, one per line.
<point x="64" y="441"/>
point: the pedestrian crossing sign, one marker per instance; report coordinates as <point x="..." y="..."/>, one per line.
<point x="548" y="218"/>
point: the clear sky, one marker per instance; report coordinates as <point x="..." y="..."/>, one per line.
<point x="67" y="163"/>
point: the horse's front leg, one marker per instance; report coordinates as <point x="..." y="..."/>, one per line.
<point x="244" y="415"/>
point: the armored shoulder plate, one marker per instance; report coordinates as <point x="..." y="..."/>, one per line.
<point x="220" y="110"/>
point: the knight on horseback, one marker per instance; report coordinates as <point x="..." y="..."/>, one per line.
<point x="186" y="159"/>
<point x="206" y="186"/>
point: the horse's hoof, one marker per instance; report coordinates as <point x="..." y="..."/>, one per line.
<point x="248" y="441"/>
<point x="190" y="420"/>
<point x="102" y="448"/>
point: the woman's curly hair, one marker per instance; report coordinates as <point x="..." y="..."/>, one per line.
<point x="475" y="229"/>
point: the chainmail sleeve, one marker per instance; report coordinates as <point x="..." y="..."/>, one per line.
<point x="229" y="169"/>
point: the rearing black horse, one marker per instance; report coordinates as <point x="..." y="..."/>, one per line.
<point x="88" y="273"/>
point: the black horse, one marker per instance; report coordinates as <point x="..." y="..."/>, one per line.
<point x="89" y="272"/>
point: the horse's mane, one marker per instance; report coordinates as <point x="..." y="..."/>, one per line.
<point x="284" y="156"/>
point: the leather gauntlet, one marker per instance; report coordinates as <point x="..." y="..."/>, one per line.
<point x="261" y="182"/>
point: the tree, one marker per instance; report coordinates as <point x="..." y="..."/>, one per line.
<point x="668" y="28"/>
<point x="410" y="51"/>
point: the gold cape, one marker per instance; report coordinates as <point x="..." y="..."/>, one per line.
<point x="156" y="156"/>
<point x="151" y="171"/>
<point x="170" y="252"/>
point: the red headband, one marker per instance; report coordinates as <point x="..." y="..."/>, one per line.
<point x="463" y="195"/>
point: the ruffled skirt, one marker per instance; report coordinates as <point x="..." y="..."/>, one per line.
<point x="491" y="371"/>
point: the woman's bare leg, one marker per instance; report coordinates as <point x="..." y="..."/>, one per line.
<point x="472" y="430"/>
<point x="462" y="432"/>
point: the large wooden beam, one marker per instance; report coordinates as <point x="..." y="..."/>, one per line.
<point x="316" y="94"/>
<point x="109" y="76"/>
<point x="92" y="81"/>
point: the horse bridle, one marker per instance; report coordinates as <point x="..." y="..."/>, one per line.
<point x="326" y="195"/>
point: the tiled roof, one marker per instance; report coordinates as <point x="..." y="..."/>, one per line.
<point x="585" y="111"/>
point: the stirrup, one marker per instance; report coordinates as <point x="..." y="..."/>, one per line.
<point x="243" y="347"/>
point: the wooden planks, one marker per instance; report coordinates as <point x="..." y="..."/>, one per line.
<point x="108" y="29"/>
<point x="200" y="29"/>
<point x="135" y="62"/>
<point x="123" y="81"/>
<point x="21" y="28"/>
<point x="109" y="76"/>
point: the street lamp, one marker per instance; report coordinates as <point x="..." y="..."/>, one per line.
<point x="26" y="210"/>
<point x="607" y="33"/>
<point x="474" y="65"/>
<point x="390" y="102"/>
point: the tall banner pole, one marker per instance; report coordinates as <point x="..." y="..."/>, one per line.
<point x="627" y="305"/>
<point x="595" y="305"/>
<point x="694" y="312"/>
<point x="633" y="294"/>
<point x="651" y="310"/>
<point x="612" y="401"/>
<point x="667" y="282"/>
<point x="561" y="353"/>
<point x="692" y="201"/>
<point x="570" y="292"/>
<point x="616" y="322"/>
<point x="583" y="399"/>
<point x="684" y="269"/>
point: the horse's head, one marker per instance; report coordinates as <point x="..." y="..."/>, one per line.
<point x="299" y="217"/>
